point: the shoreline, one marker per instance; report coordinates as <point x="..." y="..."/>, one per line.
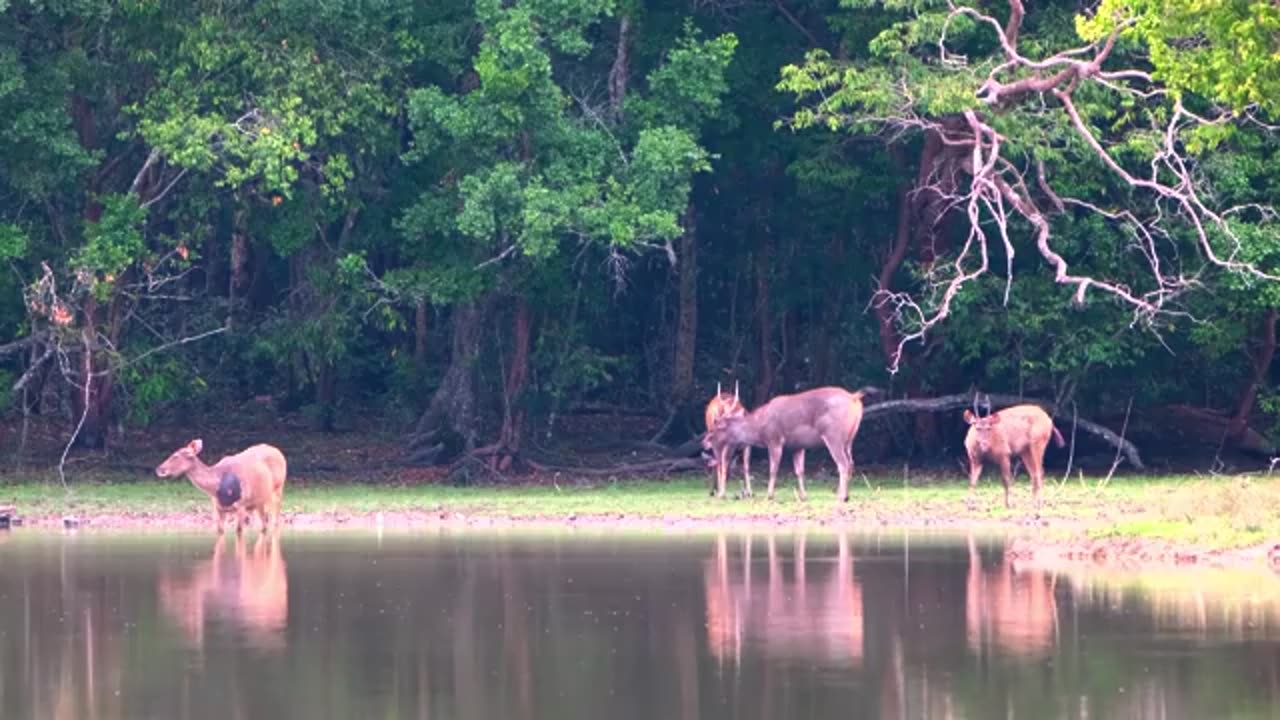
<point x="1034" y="542"/>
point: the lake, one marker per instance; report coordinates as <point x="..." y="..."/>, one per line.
<point x="522" y="624"/>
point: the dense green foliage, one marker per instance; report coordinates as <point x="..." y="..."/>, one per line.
<point x="517" y="207"/>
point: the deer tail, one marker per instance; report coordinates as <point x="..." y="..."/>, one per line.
<point x="1057" y="437"/>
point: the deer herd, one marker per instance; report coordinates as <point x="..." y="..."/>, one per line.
<point x="830" y="416"/>
<point x="251" y="482"/>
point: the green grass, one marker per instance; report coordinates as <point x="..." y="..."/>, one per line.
<point x="1208" y="512"/>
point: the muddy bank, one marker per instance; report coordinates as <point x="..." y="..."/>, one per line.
<point x="1136" y="554"/>
<point x="1032" y="541"/>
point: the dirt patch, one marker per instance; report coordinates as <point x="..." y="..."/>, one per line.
<point x="1136" y="554"/>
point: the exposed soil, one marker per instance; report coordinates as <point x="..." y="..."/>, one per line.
<point x="1028" y="544"/>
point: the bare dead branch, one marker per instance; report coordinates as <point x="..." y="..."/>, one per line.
<point x="152" y="158"/>
<point x="993" y="190"/>
<point x="795" y="22"/>
<point x="497" y="258"/>
<point x="161" y="195"/>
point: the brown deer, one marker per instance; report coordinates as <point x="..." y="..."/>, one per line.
<point x="1021" y="430"/>
<point x="250" y="481"/>
<point x="726" y="405"/>
<point x="823" y="416"/>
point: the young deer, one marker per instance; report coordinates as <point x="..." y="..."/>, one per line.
<point x="1021" y="430"/>
<point x="249" y="481"/>
<point x="827" y="416"/>
<point x="726" y="405"/>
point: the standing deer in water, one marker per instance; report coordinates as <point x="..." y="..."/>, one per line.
<point x="726" y="405"/>
<point x="1021" y="430"/>
<point x="827" y="416"/>
<point x="250" y="481"/>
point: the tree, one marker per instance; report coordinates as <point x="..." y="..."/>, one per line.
<point x="1011" y="118"/>
<point x="530" y="173"/>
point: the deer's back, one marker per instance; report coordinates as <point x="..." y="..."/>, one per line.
<point x="261" y="470"/>
<point x="819" y="409"/>
<point x="1024" y="425"/>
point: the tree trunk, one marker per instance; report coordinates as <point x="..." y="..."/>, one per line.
<point x="764" y="319"/>
<point x="326" y="395"/>
<point x="513" y="412"/>
<point x="1261" y="358"/>
<point x="238" y="270"/>
<point x="420" y="338"/>
<point x="91" y="399"/>
<point x="829" y="310"/>
<point x="619" y="71"/>
<point x="679" y="425"/>
<point x="33" y="393"/>
<point x="450" y="424"/>
<point x="687" y="329"/>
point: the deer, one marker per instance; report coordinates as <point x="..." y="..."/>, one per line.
<point x="1019" y="430"/>
<point x="827" y="416"/>
<point x="251" y="481"/>
<point x="726" y="405"/>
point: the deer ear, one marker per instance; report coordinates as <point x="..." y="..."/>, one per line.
<point x="195" y="446"/>
<point x="968" y="416"/>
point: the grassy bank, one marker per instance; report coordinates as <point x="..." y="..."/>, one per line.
<point x="1210" y="513"/>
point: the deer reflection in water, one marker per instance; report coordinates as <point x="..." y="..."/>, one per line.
<point x="248" y="589"/>
<point x="1012" y="610"/>
<point x="789" y="618"/>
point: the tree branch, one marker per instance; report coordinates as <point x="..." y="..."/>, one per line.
<point x="955" y="402"/>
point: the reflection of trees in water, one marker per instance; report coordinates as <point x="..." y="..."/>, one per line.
<point x="796" y="625"/>
<point x="1222" y="605"/>
<point x="949" y="631"/>
<point x="247" y="589"/>
<point x="73" y="672"/>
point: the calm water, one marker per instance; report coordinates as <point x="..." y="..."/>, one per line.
<point x="466" y="625"/>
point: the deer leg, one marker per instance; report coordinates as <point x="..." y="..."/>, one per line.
<point x="797" y="461"/>
<point x="241" y="519"/>
<point x="722" y="470"/>
<point x="775" y="459"/>
<point x="975" y="472"/>
<point x="746" y="471"/>
<point x="842" y="495"/>
<point x="218" y="524"/>
<point x="1007" y="476"/>
<point x="843" y="458"/>
<point x="714" y="481"/>
<point x="1034" y="460"/>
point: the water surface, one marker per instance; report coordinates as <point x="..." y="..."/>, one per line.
<point x="461" y="624"/>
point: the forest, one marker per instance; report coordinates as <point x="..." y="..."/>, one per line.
<point x="496" y="227"/>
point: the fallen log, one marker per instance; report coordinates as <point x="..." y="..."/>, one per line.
<point x="955" y="402"/>
<point x="1214" y="429"/>
<point x="661" y="467"/>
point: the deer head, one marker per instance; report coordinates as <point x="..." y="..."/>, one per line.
<point x="181" y="460"/>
